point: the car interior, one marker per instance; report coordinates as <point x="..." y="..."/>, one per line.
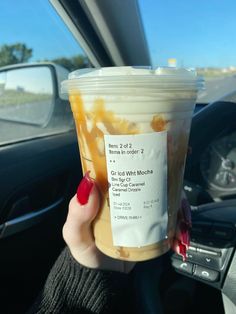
<point x="40" y="169"/>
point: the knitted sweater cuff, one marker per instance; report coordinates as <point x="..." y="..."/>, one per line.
<point x="72" y="288"/>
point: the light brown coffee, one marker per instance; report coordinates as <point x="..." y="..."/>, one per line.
<point x="130" y="108"/>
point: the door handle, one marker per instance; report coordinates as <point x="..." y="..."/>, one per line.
<point x="26" y="221"/>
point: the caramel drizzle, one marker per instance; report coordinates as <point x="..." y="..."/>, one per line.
<point x="113" y="125"/>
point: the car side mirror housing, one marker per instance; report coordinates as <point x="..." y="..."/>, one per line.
<point x="29" y="94"/>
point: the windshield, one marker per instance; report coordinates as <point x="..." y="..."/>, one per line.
<point x="196" y="34"/>
<point x="37" y="51"/>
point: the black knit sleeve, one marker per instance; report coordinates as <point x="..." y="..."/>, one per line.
<point x="71" y="288"/>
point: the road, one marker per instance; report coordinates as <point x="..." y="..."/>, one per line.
<point x="216" y="88"/>
<point x="36" y="113"/>
<point x="26" y="121"/>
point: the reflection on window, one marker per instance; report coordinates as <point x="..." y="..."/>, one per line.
<point x="26" y="95"/>
<point x="2" y="82"/>
<point x="30" y="107"/>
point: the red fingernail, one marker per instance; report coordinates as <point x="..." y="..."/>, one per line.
<point x="182" y="251"/>
<point x="184" y="234"/>
<point x="186" y="210"/>
<point x="84" y="189"/>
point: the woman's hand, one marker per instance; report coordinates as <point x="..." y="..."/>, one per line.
<point x="77" y="231"/>
<point x="181" y="241"/>
<point x="78" y="235"/>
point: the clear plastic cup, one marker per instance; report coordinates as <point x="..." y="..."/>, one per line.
<point x="133" y="127"/>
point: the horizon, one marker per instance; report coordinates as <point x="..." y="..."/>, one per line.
<point x="189" y="32"/>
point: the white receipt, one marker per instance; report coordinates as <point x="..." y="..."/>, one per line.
<point x="137" y="176"/>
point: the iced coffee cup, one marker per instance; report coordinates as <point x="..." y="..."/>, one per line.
<point x="133" y="127"/>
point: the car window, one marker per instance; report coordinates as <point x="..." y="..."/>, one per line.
<point x="195" y="34"/>
<point x="37" y="52"/>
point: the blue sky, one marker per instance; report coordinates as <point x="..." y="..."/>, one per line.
<point x="36" y="23"/>
<point x="195" y="32"/>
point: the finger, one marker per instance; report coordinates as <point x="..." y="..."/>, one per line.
<point x="181" y="242"/>
<point x="77" y="230"/>
<point x="179" y="248"/>
<point x="184" y="222"/>
<point x="182" y="234"/>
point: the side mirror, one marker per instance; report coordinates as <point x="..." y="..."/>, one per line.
<point x="29" y="94"/>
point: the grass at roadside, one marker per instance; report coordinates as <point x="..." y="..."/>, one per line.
<point x="214" y="72"/>
<point x="13" y="97"/>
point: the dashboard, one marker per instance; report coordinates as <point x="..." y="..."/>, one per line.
<point x="210" y="172"/>
<point x="210" y="186"/>
<point x="218" y="165"/>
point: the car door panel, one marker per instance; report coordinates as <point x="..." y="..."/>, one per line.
<point x="38" y="178"/>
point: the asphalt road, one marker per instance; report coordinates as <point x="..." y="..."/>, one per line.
<point x="11" y="131"/>
<point x="216" y="88"/>
<point x="36" y="113"/>
<point x="27" y="121"/>
<point x="24" y="121"/>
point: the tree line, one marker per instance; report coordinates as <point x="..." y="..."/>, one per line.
<point x="20" y="53"/>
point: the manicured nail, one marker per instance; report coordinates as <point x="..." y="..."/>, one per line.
<point x="184" y="234"/>
<point x="84" y="189"/>
<point x="182" y="251"/>
<point x="186" y="210"/>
